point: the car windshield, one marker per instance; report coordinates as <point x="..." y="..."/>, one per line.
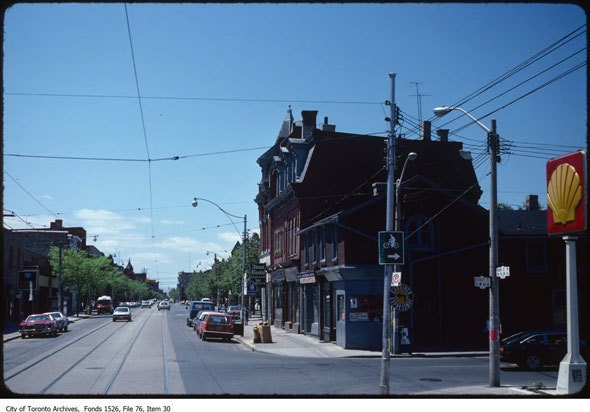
<point x="122" y="310"/>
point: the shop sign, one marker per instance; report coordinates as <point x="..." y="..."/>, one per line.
<point x="305" y="280"/>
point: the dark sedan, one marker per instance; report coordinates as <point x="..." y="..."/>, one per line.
<point x="535" y="349"/>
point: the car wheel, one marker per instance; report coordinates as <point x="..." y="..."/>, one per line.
<point x="533" y="362"/>
<point x="23" y="336"/>
<point x="203" y="337"/>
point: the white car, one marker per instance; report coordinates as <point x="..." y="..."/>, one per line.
<point x="122" y="313"/>
<point x="164" y="305"/>
<point x="61" y="321"/>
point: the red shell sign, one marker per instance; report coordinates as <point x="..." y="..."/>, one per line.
<point x="567" y="193"/>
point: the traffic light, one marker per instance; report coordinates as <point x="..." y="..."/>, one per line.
<point x="27" y="276"/>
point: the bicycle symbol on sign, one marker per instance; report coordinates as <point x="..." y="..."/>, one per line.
<point x="391" y="243"/>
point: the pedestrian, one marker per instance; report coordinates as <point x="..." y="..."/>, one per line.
<point x="245" y="314"/>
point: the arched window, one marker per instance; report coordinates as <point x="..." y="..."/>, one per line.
<point x="419" y="232"/>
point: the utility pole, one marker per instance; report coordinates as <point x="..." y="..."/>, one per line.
<point x="217" y="277"/>
<point x="494" y="332"/>
<point x="388" y="269"/>
<point x="59" y="282"/>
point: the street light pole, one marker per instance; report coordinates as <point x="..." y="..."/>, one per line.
<point x="494" y="292"/>
<point x="195" y="203"/>
<point x="396" y="268"/>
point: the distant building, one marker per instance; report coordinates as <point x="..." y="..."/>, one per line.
<point x="28" y="250"/>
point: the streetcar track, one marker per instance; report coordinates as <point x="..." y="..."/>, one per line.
<point x="124" y="359"/>
<point x="52" y="383"/>
<point x="46" y="356"/>
<point x="165" y="356"/>
<point x="121" y="362"/>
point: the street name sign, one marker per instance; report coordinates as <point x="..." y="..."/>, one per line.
<point x="482" y="282"/>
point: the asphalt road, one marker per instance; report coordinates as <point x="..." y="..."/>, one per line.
<point x="158" y="355"/>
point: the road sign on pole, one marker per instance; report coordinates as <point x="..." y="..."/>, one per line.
<point x="391" y="248"/>
<point x="252" y="289"/>
<point x="396" y="279"/>
<point x="402" y="297"/>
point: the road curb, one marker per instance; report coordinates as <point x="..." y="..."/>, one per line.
<point x="244" y="342"/>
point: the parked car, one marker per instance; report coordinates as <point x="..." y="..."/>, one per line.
<point x="199" y="318"/>
<point x="163" y="305"/>
<point x="195" y="307"/>
<point x="216" y="325"/>
<point x="61" y="320"/>
<point x="234" y="311"/>
<point x="146" y="304"/>
<point x="535" y="349"/>
<point x="38" y="324"/>
<point x="122" y="313"/>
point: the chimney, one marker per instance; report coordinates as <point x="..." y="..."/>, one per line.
<point x="532" y="202"/>
<point x="443" y="135"/>
<point x="426" y="130"/>
<point x="328" y="127"/>
<point x="58" y="224"/>
<point x="309" y="123"/>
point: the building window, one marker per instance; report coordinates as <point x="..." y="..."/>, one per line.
<point x="334" y="241"/>
<point x="323" y="244"/>
<point x="278" y="244"/>
<point x="420" y="233"/>
<point x="314" y="247"/>
<point x="291" y="238"/>
<point x="304" y="252"/>
<point x="536" y="256"/>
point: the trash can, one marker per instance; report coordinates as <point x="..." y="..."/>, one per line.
<point x="265" y="333"/>
<point x="257" y="338"/>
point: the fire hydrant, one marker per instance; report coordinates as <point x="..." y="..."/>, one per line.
<point x="257" y="338"/>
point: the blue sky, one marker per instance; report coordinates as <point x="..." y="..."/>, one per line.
<point x="92" y="91"/>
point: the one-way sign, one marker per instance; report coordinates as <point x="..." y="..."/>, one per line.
<point x="391" y="248"/>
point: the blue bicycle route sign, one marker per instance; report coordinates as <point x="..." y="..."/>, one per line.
<point x="391" y="248"/>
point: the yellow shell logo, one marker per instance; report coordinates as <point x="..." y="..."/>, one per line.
<point x="564" y="193"/>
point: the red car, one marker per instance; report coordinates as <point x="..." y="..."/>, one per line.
<point x="216" y="325"/>
<point x="38" y="324"/>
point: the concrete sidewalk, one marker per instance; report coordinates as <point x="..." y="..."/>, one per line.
<point x="286" y="343"/>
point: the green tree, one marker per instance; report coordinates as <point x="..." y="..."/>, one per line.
<point x="201" y="285"/>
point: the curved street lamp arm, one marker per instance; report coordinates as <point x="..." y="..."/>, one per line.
<point x="441" y="111"/>
<point x="229" y="215"/>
